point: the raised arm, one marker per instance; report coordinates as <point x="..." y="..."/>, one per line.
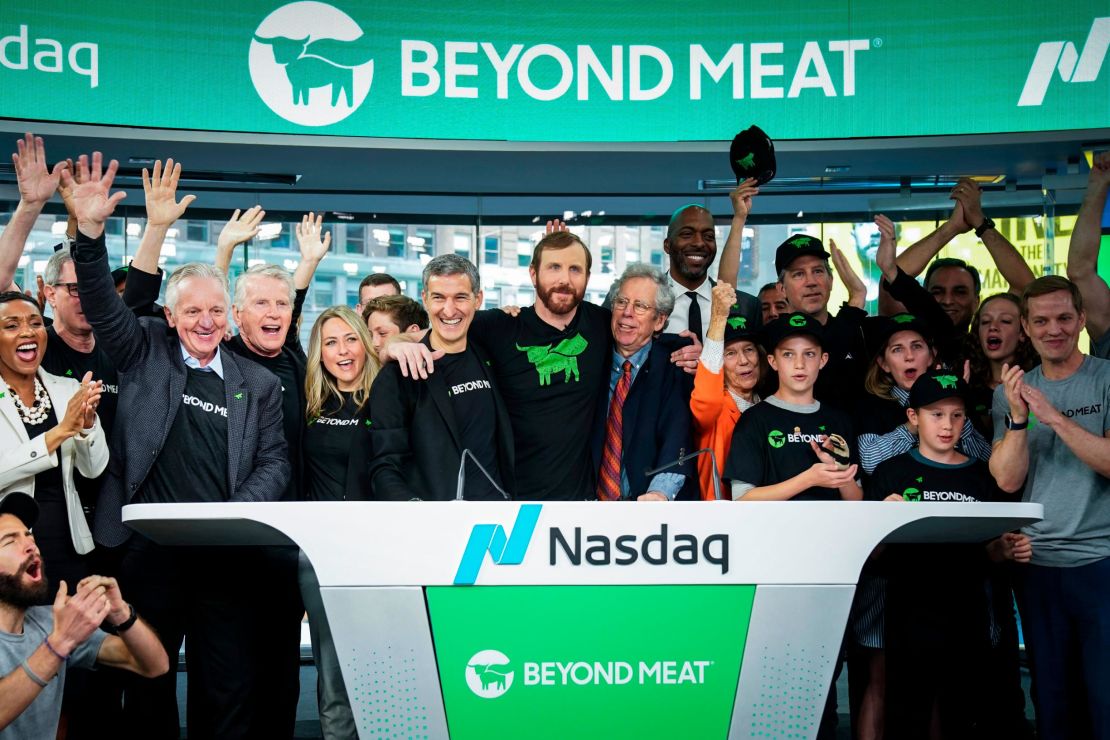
<point x="1005" y="255"/>
<point x="914" y="259"/>
<point x="729" y="266"/>
<point x="239" y="229"/>
<point x="1083" y="253"/>
<point x="117" y="328"/>
<point x="162" y="210"/>
<point x="857" y="291"/>
<point x="36" y="186"/>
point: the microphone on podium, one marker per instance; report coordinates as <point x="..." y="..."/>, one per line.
<point x="683" y="457"/>
<point x="462" y="476"/>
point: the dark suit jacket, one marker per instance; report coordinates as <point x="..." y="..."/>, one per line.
<point x="656" y="424"/>
<point x="149" y="354"/>
<point x="415" y="441"/>
<point x="141" y="296"/>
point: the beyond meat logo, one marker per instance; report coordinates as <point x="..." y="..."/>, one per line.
<point x="488" y="674"/>
<point x="562" y="358"/>
<point x="310" y="63"/>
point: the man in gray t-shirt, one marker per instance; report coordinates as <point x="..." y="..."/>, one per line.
<point x="1052" y="444"/>
<point x="37" y="643"/>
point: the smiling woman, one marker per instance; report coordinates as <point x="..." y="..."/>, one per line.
<point x="48" y="428"/>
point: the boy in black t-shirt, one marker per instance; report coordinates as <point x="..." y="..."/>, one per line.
<point x="790" y="446"/>
<point x="943" y="604"/>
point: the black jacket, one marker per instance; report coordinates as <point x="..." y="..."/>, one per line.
<point x="149" y="354"/>
<point x="415" y="441"/>
<point x="656" y="424"/>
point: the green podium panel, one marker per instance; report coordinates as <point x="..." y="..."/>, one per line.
<point x="589" y="661"/>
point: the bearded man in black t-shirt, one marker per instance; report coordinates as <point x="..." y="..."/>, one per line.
<point x="421" y="428"/>
<point x="551" y="363"/>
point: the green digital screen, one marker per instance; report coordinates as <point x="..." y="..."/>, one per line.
<point x="589" y="661"/>
<point x="572" y="71"/>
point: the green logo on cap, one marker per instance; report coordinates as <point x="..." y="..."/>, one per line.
<point x="797" y="320"/>
<point x="800" y="241"/>
<point x="776" y="439"/>
<point x="911" y="494"/>
<point x="738" y="322"/>
<point x="903" y="318"/>
<point x="747" y="162"/>
<point x="946" y="381"/>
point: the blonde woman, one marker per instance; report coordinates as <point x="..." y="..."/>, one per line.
<point x="341" y="368"/>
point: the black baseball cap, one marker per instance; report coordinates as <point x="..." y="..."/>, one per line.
<point x="790" y="325"/>
<point x="879" y="329"/>
<point x="22" y="506"/>
<point x="752" y="154"/>
<point x="799" y="245"/>
<point x="739" y="327"/>
<point x="119" y="274"/>
<point x="936" y="386"/>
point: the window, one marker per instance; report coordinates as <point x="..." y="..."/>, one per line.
<point x="356" y="239"/>
<point x="196" y="231"/>
<point x="523" y="252"/>
<point x="397" y="242"/>
<point x="491" y="252"/>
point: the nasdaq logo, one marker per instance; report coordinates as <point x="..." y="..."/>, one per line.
<point x="503" y="548"/>
<point x="1063" y="58"/>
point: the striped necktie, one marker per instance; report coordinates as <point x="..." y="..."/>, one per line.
<point x="609" y="486"/>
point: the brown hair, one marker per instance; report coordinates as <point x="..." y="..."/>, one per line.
<point x="559" y="240"/>
<point x="375" y="279"/>
<point x="1024" y="355"/>
<point x="1050" y="284"/>
<point x="402" y="310"/>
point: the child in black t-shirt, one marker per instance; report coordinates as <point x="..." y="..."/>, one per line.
<point x="940" y="626"/>
<point x="790" y="446"/>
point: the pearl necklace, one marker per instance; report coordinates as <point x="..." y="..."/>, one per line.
<point x="38" y="411"/>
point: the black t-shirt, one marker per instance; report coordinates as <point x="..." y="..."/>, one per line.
<point x="192" y="465"/>
<point x="936" y="593"/>
<point x="475" y="414"/>
<point x="292" y="404"/>
<point x="771" y="445"/>
<point x="550" y="380"/>
<point x="840" y="381"/>
<point x="329" y="442"/>
<point x="61" y="359"/>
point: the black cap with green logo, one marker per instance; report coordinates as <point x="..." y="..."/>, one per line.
<point x="799" y="245"/>
<point x="937" y="386"/>
<point x="738" y="327"/>
<point x="790" y="325"/>
<point x="752" y="154"/>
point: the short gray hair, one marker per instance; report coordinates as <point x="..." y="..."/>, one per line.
<point x="264" y="271"/>
<point x="191" y="270"/>
<point x="452" y="264"/>
<point x="664" y="296"/>
<point x="53" y="271"/>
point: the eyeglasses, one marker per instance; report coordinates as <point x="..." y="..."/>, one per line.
<point x="70" y="288"/>
<point x="639" y="308"/>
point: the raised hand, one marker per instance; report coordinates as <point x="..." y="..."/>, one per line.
<point x="724" y="295"/>
<point x="162" y="208"/>
<point x="1100" y="171"/>
<point x="313" y="240"/>
<point x="554" y="225"/>
<point x="742" y="196"/>
<point x="1040" y="406"/>
<point x="970" y="196"/>
<point x="65" y="191"/>
<point x="77" y="617"/>
<point x="240" y="228"/>
<point x="92" y="390"/>
<point x="857" y="291"/>
<point x="886" y="255"/>
<point x="1011" y="380"/>
<point x="37" y="184"/>
<point x="93" y="202"/>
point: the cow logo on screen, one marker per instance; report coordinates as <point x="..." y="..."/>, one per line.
<point x="311" y="63"/>
<point x="488" y="674"/>
<point x="1061" y="57"/>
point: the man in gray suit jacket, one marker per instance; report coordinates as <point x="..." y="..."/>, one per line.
<point x="193" y="424"/>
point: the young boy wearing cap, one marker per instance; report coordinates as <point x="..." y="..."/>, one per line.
<point x="940" y="604"/>
<point x="791" y="446"/>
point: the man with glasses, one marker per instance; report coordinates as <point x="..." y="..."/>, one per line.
<point x="645" y="420"/>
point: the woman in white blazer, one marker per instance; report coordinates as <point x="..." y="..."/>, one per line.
<point x="48" y="428"/>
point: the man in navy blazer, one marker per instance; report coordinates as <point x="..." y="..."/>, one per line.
<point x="193" y="424"/>
<point x="654" y="418"/>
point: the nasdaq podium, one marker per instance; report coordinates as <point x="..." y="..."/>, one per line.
<point x="584" y="619"/>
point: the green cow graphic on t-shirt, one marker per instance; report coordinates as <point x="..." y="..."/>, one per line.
<point x="563" y="357"/>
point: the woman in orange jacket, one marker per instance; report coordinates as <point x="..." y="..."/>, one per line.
<point x="731" y="366"/>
